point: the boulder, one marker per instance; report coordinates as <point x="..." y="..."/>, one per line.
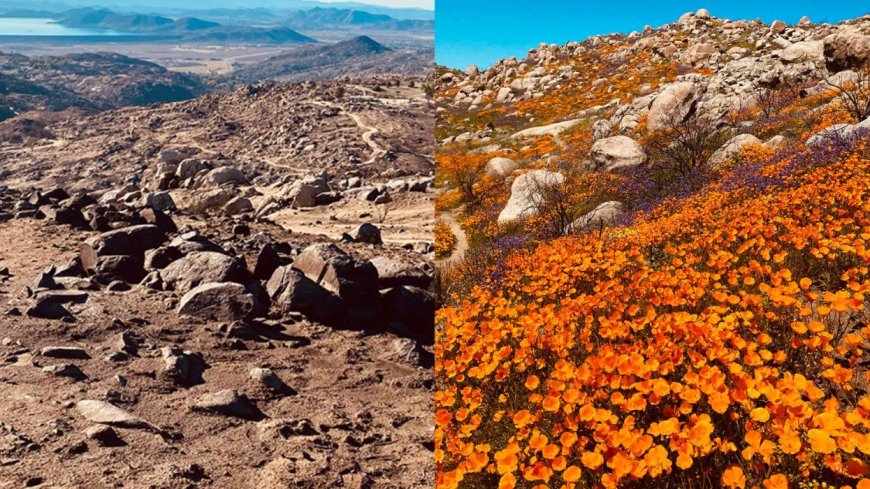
<point x="210" y="199"/>
<point x="525" y="194"/>
<point x="159" y="219"/>
<point x="803" y="51"/>
<point x="601" y="129"/>
<point x="843" y="131"/>
<point x="698" y="53"/>
<point x="603" y="215"/>
<point x="125" y="267"/>
<point x="291" y="290"/>
<point x="161" y="201"/>
<point x="412" y="308"/>
<point x="500" y="167"/>
<point x="203" y="267"/>
<point x="617" y="152"/>
<point x="132" y="240"/>
<point x="270" y="380"/>
<point x="225" y="175"/>
<point x="777" y="27"/>
<point x="303" y="193"/>
<point x="330" y="267"/>
<point x="160" y="258"/>
<point x="268" y="261"/>
<point x="219" y="301"/>
<point x="393" y="273"/>
<point x="171" y="156"/>
<point x="367" y="233"/>
<point x="189" y="168"/>
<point x="65" y="370"/>
<point x="238" y="205"/>
<point x="181" y="367"/>
<point x="731" y="149"/>
<point x="551" y="129"/>
<point x="846" y="49"/>
<point x="674" y="103"/>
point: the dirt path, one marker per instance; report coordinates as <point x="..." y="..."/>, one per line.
<point x="370" y="131"/>
<point x="461" y="247"/>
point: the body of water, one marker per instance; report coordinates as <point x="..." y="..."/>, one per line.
<point x="18" y="27"/>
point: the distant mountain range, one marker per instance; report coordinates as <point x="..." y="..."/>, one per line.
<point x="95" y="81"/>
<point x="278" y="8"/>
<point x="185" y="28"/>
<point x="330" y="18"/>
<point x="358" y="56"/>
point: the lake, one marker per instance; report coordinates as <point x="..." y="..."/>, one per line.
<point x="16" y="27"/>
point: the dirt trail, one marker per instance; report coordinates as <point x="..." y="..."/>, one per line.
<point x="370" y="131"/>
<point x="461" y="247"/>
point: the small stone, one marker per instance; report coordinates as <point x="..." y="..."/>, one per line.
<point x="104" y="436"/>
<point x="229" y="403"/>
<point x="66" y="352"/>
<point x="65" y="370"/>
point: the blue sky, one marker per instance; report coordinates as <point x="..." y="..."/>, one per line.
<point x="482" y="32"/>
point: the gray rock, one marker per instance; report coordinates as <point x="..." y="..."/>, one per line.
<point x="229" y="403"/>
<point x="414" y="309"/>
<point x="225" y="175"/>
<point x="161" y="201"/>
<point x="500" y="167"/>
<point x="673" y="103"/>
<point x="617" y="152"/>
<point x="393" y="273"/>
<point x="602" y="216"/>
<point x="367" y="233"/>
<point x="526" y="194"/>
<point x="65" y="352"/>
<point x="132" y="240"/>
<point x="731" y="149"/>
<point x="104" y="436"/>
<point x="221" y="301"/>
<point x="108" y="414"/>
<point x="238" y="205"/>
<point x="291" y="290"/>
<point x="330" y="267"/>
<point x="65" y="370"/>
<point x="203" y="267"/>
<point x="189" y="168"/>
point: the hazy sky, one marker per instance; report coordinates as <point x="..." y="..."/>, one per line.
<point x="427" y="4"/>
<point x="482" y="32"/>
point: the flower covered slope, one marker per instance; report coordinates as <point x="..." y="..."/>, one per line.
<point x="698" y="315"/>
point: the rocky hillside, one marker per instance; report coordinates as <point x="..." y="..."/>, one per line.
<point x="658" y="272"/>
<point x="230" y="291"/>
<point x="356" y="57"/>
<point x="95" y="81"/>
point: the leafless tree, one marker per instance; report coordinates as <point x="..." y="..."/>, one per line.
<point x="855" y="94"/>
<point x="772" y="100"/>
<point x="556" y="202"/>
<point x="684" y="145"/>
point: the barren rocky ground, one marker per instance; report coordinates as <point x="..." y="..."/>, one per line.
<point x="232" y="291"/>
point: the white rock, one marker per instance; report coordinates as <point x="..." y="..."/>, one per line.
<point x="525" y="194"/>
<point x="500" y="167"/>
<point x="617" y="152"/>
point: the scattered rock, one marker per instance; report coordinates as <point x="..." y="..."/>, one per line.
<point x="222" y="301"/>
<point x="229" y="403"/>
